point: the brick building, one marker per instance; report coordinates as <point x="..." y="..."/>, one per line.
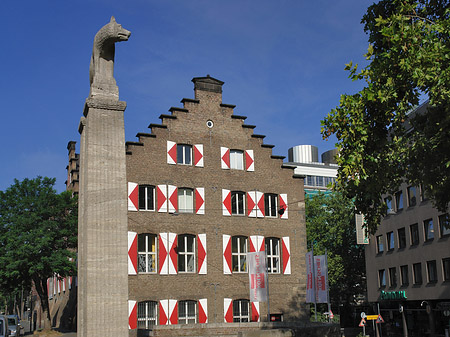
<point x="203" y="190"/>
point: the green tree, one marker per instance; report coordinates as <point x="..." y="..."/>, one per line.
<point x="330" y="225"/>
<point x="38" y="234"/>
<point x="381" y="144"/>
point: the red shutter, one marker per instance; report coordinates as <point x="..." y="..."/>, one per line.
<point x="132" y="314"/>
<point x="255" y="312"/>
<point x="173" y="198"/>
<point x="201" y="253"/>
<point x="132" y="253"/>
<point x="173" y="260"/>
<point x="284" y="206"/>
<point x="161" y="191"/>
<point x="227" y="267"/>
<point x="286" y="251"/>
<point x="259" y="204"/>
<point x="171" y="152"/>
<point x="173" y="312"/>
<point x="163" y="312"/>
<point x="133" y="196"/>
<point x="249" y="161"/>
<point x="203" y="310"/>
<point x="226" y="202"/>
<point x="257" y="243"/>
<point x="225" y="157"/>
<point x="163" y="254"/>
<point x="251" y="204"/>
<point x="228" y="310"/>
<point x="200" y="200"/>
<point x="198" y="155"/>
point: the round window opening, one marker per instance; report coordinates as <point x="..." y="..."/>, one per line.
<point x="209" y="124"/>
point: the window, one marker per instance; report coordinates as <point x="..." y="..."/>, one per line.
<point x="270" y="204"/>
<point x="417" y="270"/>
<point x="401" y="232"/>
<point x="185" y="200"/>
<point x="388" y="202"/>
<point x="237" y="159"/>
<point x="393" y="277"/>
<point x="423" y="193"/>
<point x="380" y="247"/>
<point x="412" y="200"/>
<point x="446" y="268"/>
<point x="241" y="311"/>
<point x="273" y="255"/>
<point x="237" y="203"/>
<point x="399" y="201"/>
<point x="239" y="254"/>
<point x="146" y="198"/>
<point x="184" y="154"/>
<point x="187" y="312"/>
<point x="444" y="224"/>
<point x="146" y="253"/>
<point x="404" y="275"/>
<point x="146" y="314"/>
<point x="390" y="240"/>
<point x="186" y="253"/>
<point x="428" y="229"/>
<point x="414" y="230"/>
<point x="382" y="278"/>
<point x="432" y="271"/>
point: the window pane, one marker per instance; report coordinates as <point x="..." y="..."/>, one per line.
<point x="429" y="230"/>
<point x="404" y="275"/>
<point x="414" y="234"/>
<point x="432" y="272"/>
<point x="380" y="247"/>
<point x="446" y="268"/>
<point x="417" y="269"/>
<point x="444" y="224"/>
<point x="399" y="200"/>
<point x="412" y="196"/>
<point x="401" y="238"/>
<point x="236" y="159"/>
<point x="190" y="264"/>
<point x="390" y="240"/>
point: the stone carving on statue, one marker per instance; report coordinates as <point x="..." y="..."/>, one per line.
<point x="101" y="70"/>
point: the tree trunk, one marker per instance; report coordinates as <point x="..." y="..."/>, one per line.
<point x="41" y="288"/>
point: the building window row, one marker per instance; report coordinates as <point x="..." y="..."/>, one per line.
<point x="319" y="181"/>
<point x="417" y="279"/>
<point x="395" y="203"/>
<point x="428" y="234"/>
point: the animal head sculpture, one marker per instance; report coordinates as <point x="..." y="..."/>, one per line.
<point x="101" y="71"/>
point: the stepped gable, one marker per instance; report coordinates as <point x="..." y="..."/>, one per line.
<point x="205" y="88"/>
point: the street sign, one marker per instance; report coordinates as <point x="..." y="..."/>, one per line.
<point x="362" y="323"/>
<point x="379" y="319"/>
<point x="363" y="315"/>
<point x="371" y="317"/>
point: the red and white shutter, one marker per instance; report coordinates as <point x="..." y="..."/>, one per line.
<point x="132" y="314"/>
<point x="173" y="198"/>
<point x="173" y="312"/>
<point x="203" y="310"/>
<point x="228" y="310"/>
<point x="283" y="205"/>
<point x="226" y="202"/>
<point x="133" y="196"/>
<point x="251" y="204"/>
<point x="173" y="255"/>
<point x="198" y="155"/>
<point x="286" y="251"/>
<point x="163" y="312"/>
<point x="249" y="160"/>
<point x="161" y="191"/>
<point x="259" y="204"/>
<point x="163" y="254"/>
<point x="171" y="152"/>
<point x="257" y="243"/>
<point x="199" y="200"/>
<point x="227" y="254"/>
<point x="225" y="157"/>
<point x="132" y="253"/>
<point x="201" y="253"/>
<point x="255" y="312"/>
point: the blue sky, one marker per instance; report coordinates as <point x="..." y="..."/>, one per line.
<point x="282" y="63"/>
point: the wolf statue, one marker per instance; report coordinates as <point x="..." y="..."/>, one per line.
<point x="101" y="70"/>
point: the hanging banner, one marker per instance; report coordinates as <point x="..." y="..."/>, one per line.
<point x="321" y="279"/>
<point x="257" y="273"/>
<point x="309" y="278"/>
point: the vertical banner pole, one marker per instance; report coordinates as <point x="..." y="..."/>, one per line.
<point x="314" y="282"/>
<point x="268" y="298"/>
<point x="328" y="288"/>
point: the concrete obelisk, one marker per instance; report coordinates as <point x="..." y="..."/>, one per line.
<point x="102" y="228"/>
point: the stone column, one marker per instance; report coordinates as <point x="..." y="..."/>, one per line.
<point x="102" y="254"/>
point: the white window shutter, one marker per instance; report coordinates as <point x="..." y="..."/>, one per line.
<point x="161" y="191"/>
<point x="257" y="243"/>
<point x="249" y="160"/>
<point x="173" y="255"/>
<point x="132" y="253"/>
<point x="203" y="310"/>
<point x="228" y="310"/>
<point x="173" y="198"/>
<point x="256" y="316"/>
<point x="173" y="312"/>
<point x="201" y="254"/>
<point x="163" y="312"/>
<point x="286" y="251"/>
<point x="251" y="204"/>
<point x="226" y="202"/>
<point x="198" y="155"/>
<point x="163" y="254"/>
<point x="133" y="196"/>
<point x="200" y="200"/>
<point x="171" y="152"/>
<point x="259" y="204"/>
<point x="132" y="314"/>
<point x="225" y="158"/>
<point x="227" y="266"/>
<point x="284" y="206"/>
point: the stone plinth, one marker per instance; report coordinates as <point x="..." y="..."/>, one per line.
<point x="102" y="247"/>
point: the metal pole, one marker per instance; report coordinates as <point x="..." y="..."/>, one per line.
<point x="379" y="324"/>
<point x="328" y="288"/>
<point x="314" y="282"/>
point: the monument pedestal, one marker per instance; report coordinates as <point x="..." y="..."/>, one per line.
<point x="102" y="246"/>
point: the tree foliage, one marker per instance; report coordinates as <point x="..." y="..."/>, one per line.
<point x="381" y="144"/>
<point x="330" y="224"/>
<point x="38" y="231"/>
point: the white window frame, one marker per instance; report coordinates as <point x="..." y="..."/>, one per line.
<point x="147" y="254"/>
<point x="237" y="159"/>
<point x="185" y="205"/>
<point x="238" y="312"/>
<point x="189" y="316"/>
<point x="183" y="159"/>
<point x="144" y="318"/>
<point x="238" y="254"/>
<point x="273" y="255"/>
<point x="271" y="205"/>
<point x="185" y="254"/>
<point x="147" y="189"/>
<point x="237" y="198"/>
